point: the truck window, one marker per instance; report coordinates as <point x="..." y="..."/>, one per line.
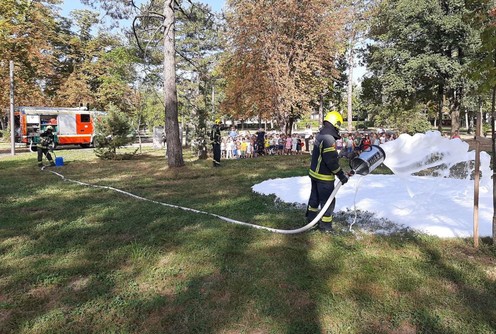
<point x="85" y="118"/>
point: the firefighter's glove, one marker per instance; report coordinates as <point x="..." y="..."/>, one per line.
<point x="342" y="177"/>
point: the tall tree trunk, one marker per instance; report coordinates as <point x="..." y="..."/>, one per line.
<point x="174" y="148"/>
<point x="455" y="103"/>
<point x="350" y="84"/>
<point x="441" y="107"/>
<point x="321" y="110"/>
<point x="203" y="132"/>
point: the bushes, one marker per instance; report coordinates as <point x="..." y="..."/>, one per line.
<point x="113" y="132"/>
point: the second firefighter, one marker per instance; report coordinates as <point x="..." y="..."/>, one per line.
<point x="216" y="139"/>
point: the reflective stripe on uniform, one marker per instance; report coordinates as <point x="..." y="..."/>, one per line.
<point x="321" y="177"/>
<point x="327" y="219"/>
<point x="329" y="149"/>
<point x="320" y="157"/>
<point x="313" y="209"/>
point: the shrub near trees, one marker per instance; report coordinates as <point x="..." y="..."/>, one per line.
<point x="113" y="131"/>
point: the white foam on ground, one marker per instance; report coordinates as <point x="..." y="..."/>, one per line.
<point x="440" y="205"/>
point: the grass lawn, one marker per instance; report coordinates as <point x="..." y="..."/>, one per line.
<point x="78" y="259"/>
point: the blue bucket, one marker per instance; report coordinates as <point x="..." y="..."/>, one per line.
<point x="59" y="161"/>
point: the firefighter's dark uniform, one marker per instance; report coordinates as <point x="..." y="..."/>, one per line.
<point x="323" y="169"/>
<point x="216" y="139"/>
<point x="43" y="146"/>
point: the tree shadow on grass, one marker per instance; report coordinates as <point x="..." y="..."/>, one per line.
<point x="438" y="291"/>
<point x="474" y="291"/>
<point x="252" y="286"/>
<point x="97" y="265"/>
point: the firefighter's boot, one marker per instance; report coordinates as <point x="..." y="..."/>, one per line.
<point x="52" y="163"/>
<point x="40" y="164"/>
<point x="325" y="225"/>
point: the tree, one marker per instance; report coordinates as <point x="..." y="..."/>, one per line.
<point x="102" y="72"/>
<point x="280" y="57"/>
<point x="198" y="46"/>
<point x="32" y="36"/>
<point x="174" y="148"/>
<point x="166" y="18"/>
<point x="420" y="52"/>
<point x="356" y="29"/>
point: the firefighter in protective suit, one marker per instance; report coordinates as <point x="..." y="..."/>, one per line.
<point x="216" y="139"/>
<point x="45" y="143"/>
<point x="323" y="170"/>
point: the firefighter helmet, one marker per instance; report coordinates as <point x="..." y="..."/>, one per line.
<point x="217" y="121"/>
<point x="334" y="118"/>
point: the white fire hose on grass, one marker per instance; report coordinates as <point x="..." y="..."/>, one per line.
<point x="359" y="165"/>
<point x="229" y="220"/>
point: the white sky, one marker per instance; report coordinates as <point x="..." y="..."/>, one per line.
<point x="440" y="206"/>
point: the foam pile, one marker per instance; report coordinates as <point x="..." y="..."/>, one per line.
<point x="432" y="190"/>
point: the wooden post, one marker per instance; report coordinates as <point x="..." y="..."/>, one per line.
<point x="477" y="178"/>
<point x="12" y="122"/>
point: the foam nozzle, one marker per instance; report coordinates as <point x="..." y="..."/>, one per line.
<point x="368" y="160"/>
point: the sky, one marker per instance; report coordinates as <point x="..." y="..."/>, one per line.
<point x="441" y="205"/>
<point x="69" y="5"/>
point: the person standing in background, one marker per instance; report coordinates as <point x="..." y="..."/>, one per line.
<point x="216" y="139"/>
<point x="260" y="142"/>
<point x="308" y="134"/>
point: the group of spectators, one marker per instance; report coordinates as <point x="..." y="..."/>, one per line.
<point x="236" y="145"/>
<point x="351" y="142"/>
<point x="247" y="145"/>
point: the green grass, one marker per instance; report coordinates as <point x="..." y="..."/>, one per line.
<point x="77" y="259"/>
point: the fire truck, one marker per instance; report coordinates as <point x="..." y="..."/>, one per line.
<point x="71" y="126"/>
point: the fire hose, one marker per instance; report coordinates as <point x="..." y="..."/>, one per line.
<point x="229" y="220"/>
<point x="359" y="165"/>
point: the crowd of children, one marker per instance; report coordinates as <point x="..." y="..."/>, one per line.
<point x="240" y="146"/>
<point x="234" y="146"/>
<point x="352" y="142"/>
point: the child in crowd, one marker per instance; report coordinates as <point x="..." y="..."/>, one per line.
<point x="294" y="143"/>
<point x="223" y="148"/>
<point x="280" y="145"/>
<point x="229" y="148"/>
<point x="288" y="145"/>
<point x="249" y="148"/>
<point x="299" y="144"/>
<point x="243" y="147"/>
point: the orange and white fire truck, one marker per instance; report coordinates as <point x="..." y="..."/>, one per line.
<point x="72" y="126"/>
